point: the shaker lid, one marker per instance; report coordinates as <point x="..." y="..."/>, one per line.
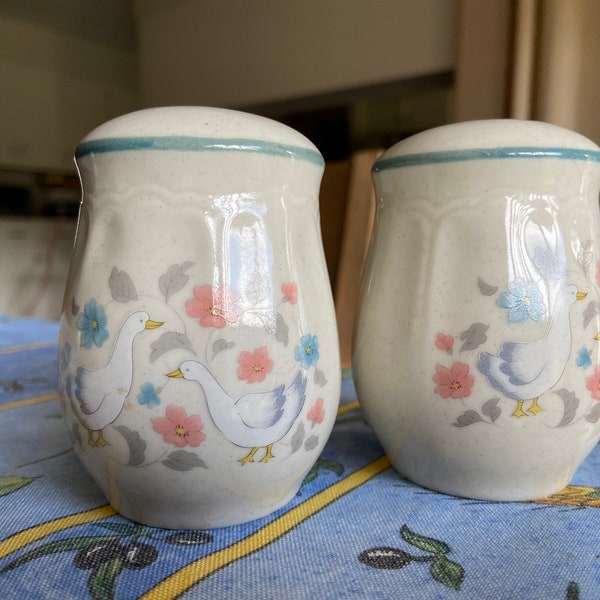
<point x="189" y="128"/>
<point x="487" y="139"/>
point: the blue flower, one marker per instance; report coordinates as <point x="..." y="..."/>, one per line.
<point x="92" y="324"/>
<point x="148" y="395"/>
<point x="583" y="358"/>
<point x="523" y="300"/>
<point x="307" y="352"/>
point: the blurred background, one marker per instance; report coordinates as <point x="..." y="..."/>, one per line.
<point x="353" y="76"/>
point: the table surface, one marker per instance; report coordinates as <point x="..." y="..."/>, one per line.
<point x="355" y="530"/>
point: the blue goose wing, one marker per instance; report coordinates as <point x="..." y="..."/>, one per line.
<point x="522" y="363"/>
<point x="265" y="410"/>
<point x="88" y="398"/>
<point x="262" y="409"/>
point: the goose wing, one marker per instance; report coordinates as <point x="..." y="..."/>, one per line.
<point x="261" y="410"/>
<point x="522" y="363"/>
<point x="89" y="391"/>
<point x="265" y="410"/>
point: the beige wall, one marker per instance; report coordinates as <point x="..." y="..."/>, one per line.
<point x="54" y="88"/>
<point x="240" y="52"/>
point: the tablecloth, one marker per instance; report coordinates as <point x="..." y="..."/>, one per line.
<point x="356" y="529"/>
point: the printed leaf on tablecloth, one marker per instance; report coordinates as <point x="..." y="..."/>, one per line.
<point x="8" y="485"/>
<point x="424" y="543"/>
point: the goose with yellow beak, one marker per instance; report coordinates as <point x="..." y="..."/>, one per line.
<point x="523" y="371"/>
<point x="254" y="421"/>
<point x="99" y="396"/>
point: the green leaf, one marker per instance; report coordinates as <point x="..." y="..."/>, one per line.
<point x="573" y="591"/>
<point x="8" y="485"/>
<point x="424" y="543"/>
<point x="331" y="465"/>
<point x="58" y="546"/>
<point x="311" y="475"/>
<point x="448" y="573"/>
<point x="102" y="582"/>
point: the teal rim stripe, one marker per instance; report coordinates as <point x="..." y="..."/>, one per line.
<point x="197" y="144"/>
<point x="432" y="158"/>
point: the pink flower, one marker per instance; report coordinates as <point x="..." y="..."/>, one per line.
<point x="179" y="429"/>
<point x="290" y="291"/>
<point x="593" y="383"/>
<point x="444" y="342"/>
<point x="316" y="414"/>
<point x="454" y="382"/>
<point x="254" y="366"/>
<point x="214" y="307"/>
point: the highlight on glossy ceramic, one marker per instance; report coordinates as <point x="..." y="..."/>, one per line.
<point x="199" y="361"/>
<point x="477" y="347"/>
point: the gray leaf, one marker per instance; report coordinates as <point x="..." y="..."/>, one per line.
<point x="171" y="340"/>
<point x="181" y="460"/>
<point x="570" y="402"/>
<point x="256" y="288"/>
<point x="268" y="319"/>
<point x="76" y="430"/>
<point x="594" y="414"/>
<point x="298" y="438"/>
<point x="585" y="256"/>
<point x="121" y="286"/>
<point x="320" y="378"/>
<point x="485" y="288"/>
<point x="65" y="357"/>
<point x="474" y="336"/>
<point x="491" y="409"/>
<point x="137" y="446"/>
<point x="282" y="333"/>
<point x="74" y="307"/>
<point x="174" y="279"/>
<point x="468" y="418"/>
<point x="590" y="313"/>
<point x="311" y="442"/>
<point x="220" y="345"/>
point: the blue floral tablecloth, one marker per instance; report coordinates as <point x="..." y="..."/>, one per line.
<point x="355" y="530"/>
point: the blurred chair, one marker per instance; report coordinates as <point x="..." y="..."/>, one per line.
<point x="347" y="216"/>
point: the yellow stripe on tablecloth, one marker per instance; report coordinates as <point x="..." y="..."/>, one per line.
<point x="344" y="408"/>
<point x="190" y="575"/>
<point x="21" y="539"/>
<point x="25" y="347"/>
<point x="28" y="401"/>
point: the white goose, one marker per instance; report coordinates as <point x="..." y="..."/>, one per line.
<point x="524" y="371"/>
<point x="100" y="395"/>
<point x="254" y="421"/>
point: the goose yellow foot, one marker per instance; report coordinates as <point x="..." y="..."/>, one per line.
<point x="268" y="454"/>
<point x="249" y="457"/>
<point x="519" y="412"/>
<point x="535" y="407"/>
<point x="100" y="441"/>
<point x="91" y="440"/>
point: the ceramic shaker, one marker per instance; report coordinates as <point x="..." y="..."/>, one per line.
<point x="476" y="354"/>
<point x="199" y="360"/>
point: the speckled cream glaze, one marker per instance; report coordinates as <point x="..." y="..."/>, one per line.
<point x="200" y="370"/>
<point x="474" y="357"/>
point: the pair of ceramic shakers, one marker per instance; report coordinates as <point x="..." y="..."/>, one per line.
<point x="199" y="360"/>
